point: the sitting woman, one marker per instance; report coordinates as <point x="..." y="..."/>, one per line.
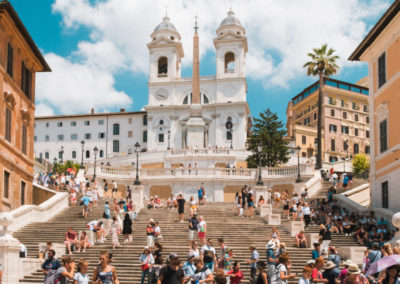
<point x="150" y="204"/>
<point x="346" y="226"/>
<point x="83" y="242"/>
<point x="261" y="201"/>
<point x="300" y="240"/>
<point x="361" y="235"/>
<point x="374" y="237"/>
<point x="334" y="229"/>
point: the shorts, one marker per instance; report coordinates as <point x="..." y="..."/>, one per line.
<point x="202" y="235"/>
<point x="181" y="211"/>
<point x="250" y="204"/>
<point x="115" y="190"/>
<point x="85" y="207"/>
<point x="192" y="235"/>
<point x="150" y="241"/>
<point x="286" y="207"/>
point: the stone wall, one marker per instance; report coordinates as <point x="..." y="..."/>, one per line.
<point x="40" y="195"/>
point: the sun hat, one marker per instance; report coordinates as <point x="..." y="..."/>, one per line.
<point x="190" y="255"/>
<point x="353" y="269"/>
<point x="151" y="220"/>
<point x="311" y="261"/>
<point x="271" y="245"/>
<point x="146" y="248"/>
<point x="329" y="265"/>
<point x="348" y="262"/>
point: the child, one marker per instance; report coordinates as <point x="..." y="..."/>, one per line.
<point x="305" y="279"/>
<point x="81" y="277"/>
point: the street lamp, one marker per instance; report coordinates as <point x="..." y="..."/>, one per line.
<point x="82" y="145"/>
<point x="137" y="149"/>
<point x="169" y="140"/>
<point x="54" y="163"/>
<point x="231" y="139"/>
<point x="298" y="164"/>
<point x="62" y="154"/>
<point x="347" y="155"/>
<point x="95" y="150"/>
<point x="259" y="148"/>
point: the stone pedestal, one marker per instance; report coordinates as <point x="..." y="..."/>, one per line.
<point x="261" y="190"/>
<point x="137" y="196"/>
<point x="272" y="219"/>
<point x="264" y="210"/>
<point x="293" y="227"/>
<point x="9" y="253"/>
<point x="311" y="239"/>
<point x="356" y="254"/>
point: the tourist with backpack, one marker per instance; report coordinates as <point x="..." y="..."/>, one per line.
<point x="282" y="271"/>
<point x="208" y="255"/>
<point x="253" y="263"/>
<point x="271" y="259"/>
<point x="188" y="267"/>
<point x="172" y="273"/>
<point x="203" y="273"/>
<point x="63" y="273"/>
<point x="50" y="265"/>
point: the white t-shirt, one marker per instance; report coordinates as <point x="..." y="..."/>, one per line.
<point x="277" y="195"/>
<point x="81" y="278"/>
<point x="303" y="281"/>
<point x="92" y="224"/>
<point x="207" y="248"/>
<point x="115" y="185"/>
<point x="306" y="210"/>
<point x="202" y="225"/>
<point x="202" y="274"/>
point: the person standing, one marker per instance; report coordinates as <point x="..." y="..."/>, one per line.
<point x="50" y="265"/>
<point x="146" y="261"/>
<point x="193" y="228"/>
<point x="85" y="204"/>
<point x="235" y="274"/>
<point x="262" y="277"/>
<point x="104" y="273"/>
<point x="271" y="259"/>
<point x="114" y="189"/>
<point x="202" y="229"/>
<point x="282" y="271"/>
<point x="181" y="207"/>
<point x="81" y="277"/>
<point x="188" y="267"/>
<point x="244" y="195"/>
<point x="127" y="228"/>
<point x="172" y="273"/>
<point x="150" y="233"/>
<point x="331" y="273"/>
<point x="208" y="255"/>
<point x="306" y="213"/>
<point x="203" y="273"/>
<point x="115" y="229"/>
<point x="253" y="263"/>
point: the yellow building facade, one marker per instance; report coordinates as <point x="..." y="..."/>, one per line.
<point x="381" y="50"/>
<point x="345" y="122"/>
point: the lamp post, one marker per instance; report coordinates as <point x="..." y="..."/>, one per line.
<point x="95" y="151"/>
<point x="169" y="140"/>
<point x="54" y="163"/>
<point x="316" y="152"/>
<point x="231" y="139"/>
<point x="62" y="154"/>
<point x="298" y="164"/>
<point x="259" y="148"/>
<point x="82" y="145"/>
<point x="137" y="149"/>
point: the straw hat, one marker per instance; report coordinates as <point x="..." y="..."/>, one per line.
<point x="271" y="245"/>
<point x="353" y="269"/>
<point x="329" y="265"/>
<point x="348" y="262"/>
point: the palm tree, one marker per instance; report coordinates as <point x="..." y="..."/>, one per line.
<point x="322" y="64"/>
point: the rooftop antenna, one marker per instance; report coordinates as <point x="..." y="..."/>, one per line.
<point x="195" y="25"/>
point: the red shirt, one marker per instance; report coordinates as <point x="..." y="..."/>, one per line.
<point x="70" y="235"/>
<point x="316" y="274"/>
<point x="236" y="277"/>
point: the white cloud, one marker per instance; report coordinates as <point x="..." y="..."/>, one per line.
<point x="43" y="109"/>
<point x="280" y="33"/>
<point x="76" y="87"/>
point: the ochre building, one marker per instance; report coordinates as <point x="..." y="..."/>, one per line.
<point x="20" y="59"/>
<point x="381" y="50"/>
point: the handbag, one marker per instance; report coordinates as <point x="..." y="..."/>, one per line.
<point x="146" y="266"/>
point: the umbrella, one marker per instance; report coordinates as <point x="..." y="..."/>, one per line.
<point x="383" y="263"/>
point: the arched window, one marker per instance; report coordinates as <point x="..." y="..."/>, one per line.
<point x="229" y="62"/>
<point x="101" y="153"/>
<point x="356" y="149"/>
<point x="162" y="66"/>
<point x="73" y="154"/>
<point x="116" y="129"/>
<point x="205" y="99"/>
<point x="46" y="155"/>
<point x="87" y="154"/>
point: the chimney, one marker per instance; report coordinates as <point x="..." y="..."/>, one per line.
<point x="92" y="110"/>
<point x="122" y="110"/>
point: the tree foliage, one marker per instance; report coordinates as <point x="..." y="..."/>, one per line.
<point x="268" y="130"/>
<point x="360" y="164"/>
<point x="323" y="62"/>
<point x="62" y="168"/>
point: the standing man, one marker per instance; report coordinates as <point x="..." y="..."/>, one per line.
<point x="172" y="273"/>
<point x="85" y="204"/>
<point x="253" y="263"/>
<point x="114" y="189"/>
<point x="208" y="255"/>
<point x="181" y="207"/>
<point x="193" y="228"/>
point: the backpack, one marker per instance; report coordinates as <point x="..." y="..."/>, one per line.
<point x="208" y="256"/>
<point x="276" y="277"/>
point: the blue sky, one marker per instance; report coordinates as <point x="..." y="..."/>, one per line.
<point x="97" y="49"/>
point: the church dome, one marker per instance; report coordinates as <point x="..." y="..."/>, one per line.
<point x="231" y="20"/>
<point x="166" y="25"/>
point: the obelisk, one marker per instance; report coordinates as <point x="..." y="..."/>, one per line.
<point x="196" y="67"/>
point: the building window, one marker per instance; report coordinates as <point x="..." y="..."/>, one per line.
<point x="332" y="128"/>
<point x="303" y="139"/>
<point x="365" y="108"/>
<point x="303" y="154"/>
<point x="59" y="124"/>
<point x="47" y="138"/>
<point x="47" y="124"/>
<point x="356" y="117"/>
<point x="145" y="119"/>
<point x="101" y="154"/>
<point x="315" y="116"/>
<point x="144" y="136"/>
<point x="8" y="124"/>
<point x="6" y="188"/>
<point x="345" y="129"/>
<point x="161" y="137"/>
<point x="130" y="134"/>
<point x="382" y="70"/>
<point x="354" y="106"/>
<point x="385" y="194"/>
<point x="87" y="154"/>
<point x="60" y="137"/>
<point x="34" y="138"/>
<point x="116" y="129"/>
<point x="383" y="135"/>
<point x="87" y="122"/>
<point x="355" y="131"/>
<point x="101" y="122"/>
<point x="10" y="59"/>
<point x="332" y="112"/>
<point x="26" y="80"/>
<point x="162" y="66"/>
<point x="331" y="101"/>
<point x="74" y="136"/>
<point x="367" y="133"/>
<point x="24" y="138"/>
<point x="367" y="150"/>
<point x="345" y="145"/>
<point x="47" y="155"/>
<point x="73" y="123"/>
<point x="116" y="146"/>
<point x="367" y="119"/>
<point x="229" y="135"/>
<point x="102" y="135"/>
<point x="88" y="136"/>
<point x="60" y="154"/>
<point x="356" y="149"/>
<point x="229" y="62"/>
<point x="342" y="103"/>
<point x="333" y="145"/>
<point x="73" y="154"/>
<point x="22" y="193"/>
<point x="130" y="120"/>
<point x="344" y="115"/>
<point x="307" y="121"/>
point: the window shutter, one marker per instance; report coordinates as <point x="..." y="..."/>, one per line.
<point x="10" y="56"/>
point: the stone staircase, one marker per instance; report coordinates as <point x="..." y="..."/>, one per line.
<point x="238" y="233"/>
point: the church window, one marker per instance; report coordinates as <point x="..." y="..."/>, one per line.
<point x="161" y="122"/>
<point x="229" y="62"/>
<point x="229" y="126"/>
<point x="205" y="99"/>
<point x="161" y="137"/>
<point x="188" y="99"/>
<point x="162" y="66"/>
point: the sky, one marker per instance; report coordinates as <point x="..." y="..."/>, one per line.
<point x="98" y="55"/>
